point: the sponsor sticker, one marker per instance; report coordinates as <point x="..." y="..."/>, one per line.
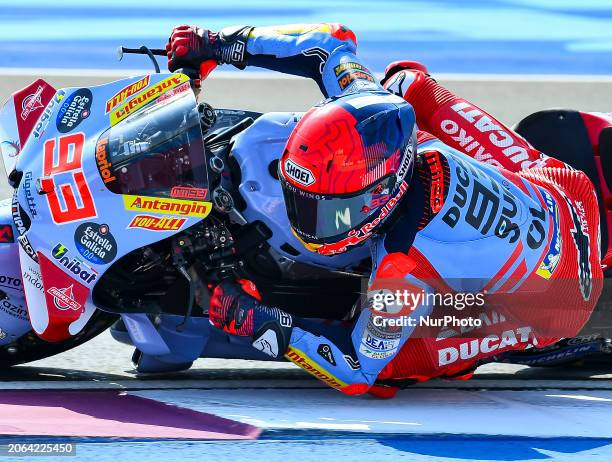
<point x="63" y="293"/>
<point x="73" y="265"/>
<point x="175" y="91"/>
<point x="299" y="358"/>
<point x="16" y="311"/>
<point x="104" y="166"/>
<point x="146" y="96"/>
<point x="351" y="76"/>
<point x="186" y="192"/>
<point x="157" y="223"/>
<point x="74" y="109"/>
<point x="63" y="299"/>
<point x="22" y="223"/>
<point x="10" y="282"/>
<point x="165" y="206"/>
<point x="32" y="102"/>
<point x="95" y="243"/>
<point x="340" y="68"/>
<point x="549" y="263"/>
<point x="379" y="342"/>
<point x="298" y="173"/>
<point x="27" y="191"/>
<point x="126" y="92"/>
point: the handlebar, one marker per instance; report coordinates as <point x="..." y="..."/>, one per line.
<point x="206" y="67"/>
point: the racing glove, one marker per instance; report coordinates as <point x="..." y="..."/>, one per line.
<point x="188" y="46"/>
<point x="235" y="310"/>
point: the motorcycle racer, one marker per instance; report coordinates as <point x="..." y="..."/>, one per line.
<point x="461" y="205"/>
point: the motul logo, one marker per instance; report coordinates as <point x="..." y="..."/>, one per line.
<point x="298" y="173"/>
<point x="157" y="223"/>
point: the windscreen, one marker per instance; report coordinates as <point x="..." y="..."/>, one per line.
<point x="158" y="151"/>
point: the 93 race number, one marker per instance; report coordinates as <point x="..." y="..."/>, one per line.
<point x="63" y="183"/>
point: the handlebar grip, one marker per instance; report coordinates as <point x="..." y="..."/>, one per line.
<point x="206" y="67"/>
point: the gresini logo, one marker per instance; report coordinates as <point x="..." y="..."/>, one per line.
<point x="64" y="299"/>
<point x="298" y="173"/>
<point x="31" y="103"/>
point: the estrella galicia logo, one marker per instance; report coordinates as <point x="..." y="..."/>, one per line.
<point x="74" y="109"/>
<point x="95" y="243"/>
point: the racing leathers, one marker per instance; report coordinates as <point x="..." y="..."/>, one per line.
<point x="486" y="219"/>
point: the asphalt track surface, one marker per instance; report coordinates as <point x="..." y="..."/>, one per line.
<point x="248" y="410"/>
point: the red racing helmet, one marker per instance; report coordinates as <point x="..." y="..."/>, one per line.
<point x="346" y="165"/>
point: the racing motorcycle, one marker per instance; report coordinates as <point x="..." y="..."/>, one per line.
<point x="132" y="199"/>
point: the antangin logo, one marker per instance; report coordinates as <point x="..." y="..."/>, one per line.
<point x="167" y="206"/>
<point x="145" y="97"/>
<point x="298" y="173"/>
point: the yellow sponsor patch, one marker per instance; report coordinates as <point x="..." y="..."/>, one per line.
<point x="299" y="358"/>
<point x="126" y="92"/>
<point x="184" y="208"/>
<point x="153" y="223"/>
<point x="145" y="97"/>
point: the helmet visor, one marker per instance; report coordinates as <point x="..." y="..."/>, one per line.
<point x="321" y="219"/>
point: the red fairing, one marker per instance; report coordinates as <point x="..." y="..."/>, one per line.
<point x="462" y="125"/>
<point x="595" y="123"/>
<point x="65" y="299"/>
<point x="30" y="103"/>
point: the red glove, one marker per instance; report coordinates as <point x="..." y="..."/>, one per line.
<point x="188" y="46"/>
<point x="232" y="308"/>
